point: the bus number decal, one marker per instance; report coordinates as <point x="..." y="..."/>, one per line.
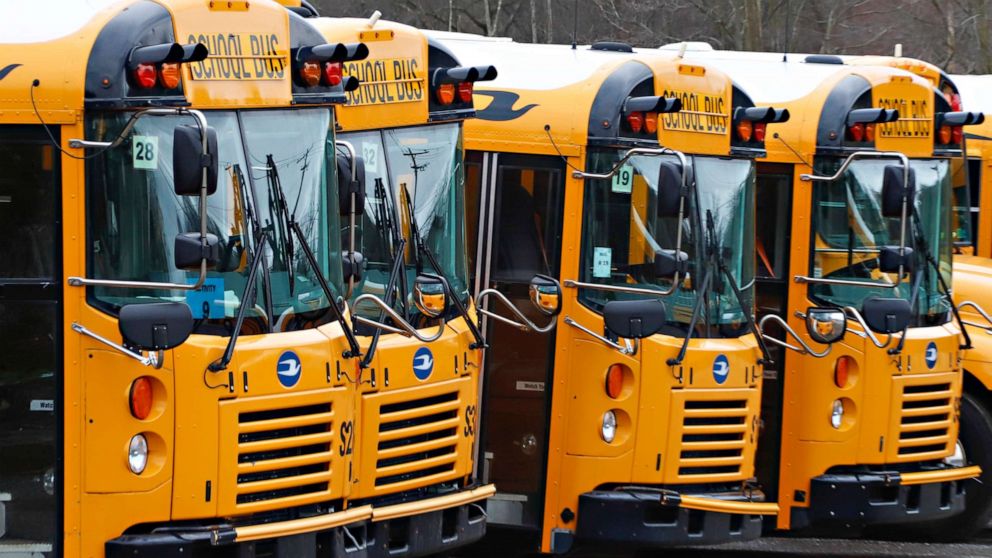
<point x="370" y="153"/>
<point x="394" y="80"/>
<point x="144" y="152"/>
<point x="347" y="438"/>
<point x="623" y="180"/>
<point x="602" y="261"/>
<point x="469" y="421"/>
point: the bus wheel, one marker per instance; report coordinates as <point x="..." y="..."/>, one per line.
<point x="975" y="442"/>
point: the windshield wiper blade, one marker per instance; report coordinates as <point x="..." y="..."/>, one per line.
<point x="285" y="218"/>
<point x="293" y="228"/>
<point x="421" y="247"/>
<point x="394" y="277"/>
<point x="922" y="243"/>
<point x="249" y="294"/>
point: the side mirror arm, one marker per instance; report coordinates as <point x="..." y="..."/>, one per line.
<point x="405" y="328"/>
<point x="853" y="313"/>
<point x="629" y="347"/>
<point x="803" y="347"/>
<point x="981" y="311"/>
<point x="524" y="324"/>
<point x="155" y="359"/>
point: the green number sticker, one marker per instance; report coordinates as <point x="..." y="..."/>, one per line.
<point x="144" y="152"/>
<point x="623" y="180"/>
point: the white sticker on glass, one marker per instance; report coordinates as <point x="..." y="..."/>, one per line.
<point x="370" y="153"/>
<point x="623" y="180"/>
<point x="602" y="261"/>
<point x="144" y="152"/>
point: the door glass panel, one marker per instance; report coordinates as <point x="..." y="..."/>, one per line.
<point x="28" y="427"/>
<point x="27" y="212"/>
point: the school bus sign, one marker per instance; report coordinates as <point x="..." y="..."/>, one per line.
<point x="386" y="81"/>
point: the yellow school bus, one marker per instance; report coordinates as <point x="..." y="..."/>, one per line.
<point x="857" y="199"/>
<point x="630" y="178"/>
<point x="180" y="366"/>
<point x="418" y="390"/>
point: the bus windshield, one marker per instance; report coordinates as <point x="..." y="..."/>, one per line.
<point x="849" y="230"/>
<point x="414" y="184"/>
<point x="133" y="215"/>
<point x="622" y="233"/>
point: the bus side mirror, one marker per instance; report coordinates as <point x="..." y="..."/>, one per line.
<point x="155" y="326"/>
<point x="886" y="315"/>
<point x="351" y="180"/>
<point x="189" y="252"/>
<point x="634" y="319"/>
<point x="545" y="295"/>
<point x="826" y="325"/>
<point x="895" y="189"/>
<point x="890" y="259"/>
<point x="669" y="262"/>
<point x="669" y="189"/>
<point x="353" y="266"/>
<point x="188" y="160"/>
<point x="430" y="295"/>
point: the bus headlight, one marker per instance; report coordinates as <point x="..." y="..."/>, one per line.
<point x="137" y="454"/>
<point x="609" y="430"/>
<point x="837" y="415"/>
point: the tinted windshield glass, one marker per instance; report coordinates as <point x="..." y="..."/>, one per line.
<point x="133" y="215"/>
<point x="622" y="232"/>
<point x="413" y="176"/>
<point x="850" y="229"/>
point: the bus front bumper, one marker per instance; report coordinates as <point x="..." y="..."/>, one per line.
<point x="408" y="530"/>
<point x="863" y="499"/>
<point x="652" y="519"/>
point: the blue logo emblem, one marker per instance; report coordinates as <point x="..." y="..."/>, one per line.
<point x="721" y="369"/>
<point x="423" y="363"/>
<point x="289" y="369"/>
<point x="931" y="355"/>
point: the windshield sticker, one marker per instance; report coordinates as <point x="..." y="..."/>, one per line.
<point x="207" y="302"/>
<point x="602" y="261"/>
<point x="144" y="152"/>
<point x="370" y="153"/>
<point x="623" y="180"/>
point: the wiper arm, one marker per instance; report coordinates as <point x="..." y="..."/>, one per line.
<point x="421" y="247"/>
<point x="932" y="261"/>
<point x="249" y="295"/>
<point x="394" y="275"/>
<point x="293" y="227"/>
<point x="285" y="218"/>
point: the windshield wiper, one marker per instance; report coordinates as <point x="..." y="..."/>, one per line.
<point x="249" y="295"/>
<point x="388" y="227"/>
<point x="921" y="242"/>
<point x="284" y="219"/>
<point x="422" y="248"/>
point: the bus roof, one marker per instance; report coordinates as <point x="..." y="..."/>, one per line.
<point x="38" y="22"/>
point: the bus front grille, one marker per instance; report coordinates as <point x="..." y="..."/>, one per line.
<point x="717" y="438"/>
<point x="284" y="453"/>
<point x="927" y="416"/>
<point x="418" y="439"/>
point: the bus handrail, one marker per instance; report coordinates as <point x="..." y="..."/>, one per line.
<point x="803" y="349"/>
<point x="844" y="282"/>
<point x="981" y="311"/>
<point x="525" y="324"/>
<point x="405" y="328"/>
<point x="613" y="288"/>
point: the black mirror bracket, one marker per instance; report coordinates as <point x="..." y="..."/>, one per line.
<point x="204" y="264"/>
<point x="155" y="359"/>
<point x="628" y="348"/>
<point x="866" y="331"/>
<point x="524" y="324"/>
<point x="803" y="347"/>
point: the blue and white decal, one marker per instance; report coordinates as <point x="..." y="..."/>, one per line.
<point x="931" y="355"/>
<point x="423" y="363"/>
<point x="721" y="369"/>
<point x="289" y="369"/>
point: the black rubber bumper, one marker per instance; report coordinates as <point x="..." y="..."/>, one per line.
<point x="406" y="537"/>
<point x="863" y="499"/>
<point x="639" y="519"/>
